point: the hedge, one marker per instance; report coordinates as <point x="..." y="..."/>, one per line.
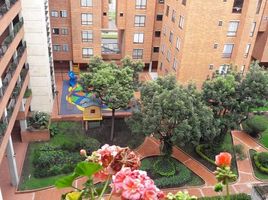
<point x="199" y="149"/>
<point x="255" y="125"/>
<point x="258" y="164"/>
<point x="164" y="167"/>
<point x="241" y="196"/>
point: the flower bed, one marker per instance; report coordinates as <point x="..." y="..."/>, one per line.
<point x="169" y="173"/>
<point x="261" y="161"/>
<point x="35" y="135"/>
<point x="258" y="173"/>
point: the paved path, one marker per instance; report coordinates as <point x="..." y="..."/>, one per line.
<point x="151" y="147"/>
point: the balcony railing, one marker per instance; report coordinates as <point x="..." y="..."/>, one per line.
<point x="8" y="40"/>
<point x="5" y="8"/>
<point x="12" y="68"/>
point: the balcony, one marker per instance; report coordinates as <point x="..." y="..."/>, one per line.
<point x="13" y="109"/>
<point x="22" y="115"/>
<point x="11" y="84"/>
<point x="8" y="13"/>
<point x="9" y="46"/>
<point x="12" y="68"/>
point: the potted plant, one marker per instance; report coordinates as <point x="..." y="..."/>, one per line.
<point x="37" y="129"/>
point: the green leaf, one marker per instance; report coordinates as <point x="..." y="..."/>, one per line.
<point x="66" y="181"/>
<point x="87" y="168"/>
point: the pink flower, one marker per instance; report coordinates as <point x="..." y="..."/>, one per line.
<point x="150" y="194"/>
<point x="223" y="159"/>
<point x="132" y="189"/>
<point x="83" y="152"/>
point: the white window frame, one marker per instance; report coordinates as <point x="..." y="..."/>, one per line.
<point x="63" y="13"/>
<point x="65" y="47"/>
<point x="178" y="43"/>
<point x="86" y="3"/>
<point x="227" y="50"/>
<point x="181" y="22"/>
<point x="247" y="50"/>
<point x="141" y="4"/>
<point x="252" y="29"/>
<point x="175" y="64"/>
<point x="232" y="28"/>
<point x="87" y="52"/>
<point x="88" y="34"/>
<point x="86" y="18"/>
<point x="223" y="69"/>
<point x="137" y="54"/>
<point x="168" y="55"/>
<point x="54" y="13"/>
<point x="56" y="47"/>
<point x="139" y="20"/>
<point x="64" y="31"/>
<point x="138" y="38"/>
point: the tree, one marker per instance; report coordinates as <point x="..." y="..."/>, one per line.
<point x="231" y="96"/>
<point x="173" y="113"/>
<point x="136" y="66"/>
<point x="113" y="85"/>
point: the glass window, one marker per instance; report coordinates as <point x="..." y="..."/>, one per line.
<point x="163" y="47"/>
<point x="247" y="50"/>
<point x="233" y="26"/>
<point x="258" y="6"/>
<point x="56" y="47"/>
<point x="86" y="3"/>
<point x="55" y="31"/>
<point x="156" y="49"/>
<point x="181" y="22"/>
<point x="167" y="10"/>
<point x="161" y="1"/>
<point x="175" y="64"/>
<point x="139" y="21"/>
<point x="137" y="54"/>
<point x="178" y="43"/>
<point x="65" y="47"/>
<point x="237" y="6"/>
<point x="252" y="30"/>
<point x="157" y="33"/>
<point x="173" y="18"/>
<point x="63" y="13"/>
<point x="141" y="4"/>
<point x="64" y="31"/>
<point x="138" y="38"/>
<point x="159" y="17"/>
<point x="54" y="13"/>
<point x="168" y="55"/>
<point x="87" y="36"/>
<point x="183" y="2"/>
<point x="171" y="37"/>
<point x="87" y="52"/>
<point x="223" y="69"/>
<point x="86" y="19"/>
<point x="227" y="50"/>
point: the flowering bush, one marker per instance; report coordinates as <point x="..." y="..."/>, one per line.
<point x="223" y="173"/>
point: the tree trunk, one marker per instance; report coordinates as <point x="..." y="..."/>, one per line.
<point x="112" y="129"/>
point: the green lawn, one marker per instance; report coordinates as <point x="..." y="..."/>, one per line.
<point x="257" y="172"/>
<point x="264" y="108"/>
<point x="69" y="133"/>
<point x="175" y="173"/>
<point x="212" y="151"/>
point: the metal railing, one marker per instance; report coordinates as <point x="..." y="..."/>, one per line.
<point x="5" y="8"/>
<point x="9" y="39"/>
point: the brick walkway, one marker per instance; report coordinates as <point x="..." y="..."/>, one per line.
<point x="151" y="147"/>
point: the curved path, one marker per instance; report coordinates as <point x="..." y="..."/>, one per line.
<point x="151" y="147"/>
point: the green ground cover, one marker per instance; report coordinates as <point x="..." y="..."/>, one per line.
<point x="169" y="172"/>
<point x="257" y="172"/>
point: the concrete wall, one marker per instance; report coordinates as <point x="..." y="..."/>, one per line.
<point x="38" y="56"/>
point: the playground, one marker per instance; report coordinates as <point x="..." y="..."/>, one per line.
<point x="74" y="101"/>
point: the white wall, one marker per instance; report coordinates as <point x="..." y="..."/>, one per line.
<point x="36" y="37"/>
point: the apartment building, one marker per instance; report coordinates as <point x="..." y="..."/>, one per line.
<point x="200" y="37"/>
<point x="260" y="51"/>
<point x="78" y="27"/>
<point x="16" y="53"/>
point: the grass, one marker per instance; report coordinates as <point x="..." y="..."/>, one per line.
<point x="182" y="177"/>
<point x="211" y="152"/>
<point x="264" y="138"/>
<point x="68" y="132"/>
<point x="260" y="175"/>
<point x="123" y="136"/>
<point x="259" y="109"/>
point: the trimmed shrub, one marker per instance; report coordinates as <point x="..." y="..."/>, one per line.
<point x="263" y="159"/>
<point x="145" y="165"/>
<point x="199" y="151"/>
<point x="259" y="164"/>
<point x="255" y="125"/>
<point x="264" y="138"/>
<point x="164" y="167"/>
<point x="241" y="196"/>
<point x="239" y="150"/>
